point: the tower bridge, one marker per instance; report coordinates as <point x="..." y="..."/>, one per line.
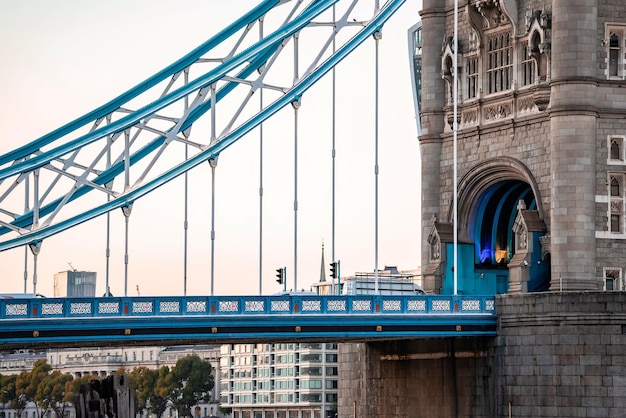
<point x="522" y="156"/>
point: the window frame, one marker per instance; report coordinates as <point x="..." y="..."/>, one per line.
<point x="617" y="279"/>
<point x="495" y="55"/>
<point x="527" y="66"/>
<point x="472" y="73"/>
<point x="620" y="32"/>
<point x="621" y="140"/>
<point x="616" y="203"/>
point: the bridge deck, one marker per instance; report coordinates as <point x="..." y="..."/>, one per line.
<point x="219" y="319"/>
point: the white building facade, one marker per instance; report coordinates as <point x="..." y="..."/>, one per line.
<point x="100" y="362"/>
<point x="288" y="380"/>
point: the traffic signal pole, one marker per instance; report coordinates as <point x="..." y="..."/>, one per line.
<point x="281" y="277"/>
<point x="335" y="274"/>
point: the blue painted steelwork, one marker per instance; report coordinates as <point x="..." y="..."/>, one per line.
<point x="167" y="72"/>
<point x="133" y="320"/>
<point x="203" y="81"/>
<point x="253" y="57"/>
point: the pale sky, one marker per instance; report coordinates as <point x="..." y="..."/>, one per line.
<point x="63" y="59"/>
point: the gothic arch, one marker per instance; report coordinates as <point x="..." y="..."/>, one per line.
<point x="539" y="44"/>
<point x="483" y="175"/>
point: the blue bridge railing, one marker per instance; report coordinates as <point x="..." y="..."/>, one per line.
<point x="183" y="319"/>
<point x="242" y="305"/>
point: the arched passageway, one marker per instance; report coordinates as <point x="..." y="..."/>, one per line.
<point x="500" y="228"/>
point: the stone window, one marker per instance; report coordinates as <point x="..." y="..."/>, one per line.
<point x="499" y="62"/>
<point x="612" y="278"/>
<point x="615" y="52"/>
<point x="472" y="77"/>
<point x="528" y="71"/>
<point x="616" y="149"/>
<point x="435" y="248"/>
<point x="616" y="193"/>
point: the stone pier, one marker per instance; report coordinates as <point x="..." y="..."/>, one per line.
<point x="556" y="355"/>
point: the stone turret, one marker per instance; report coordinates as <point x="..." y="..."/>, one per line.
<point x="573" y="114"/>
<point x="433" y="17"/>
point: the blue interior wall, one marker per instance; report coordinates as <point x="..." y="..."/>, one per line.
<point x="469" y="280"/>
<point x="482" y="265"/>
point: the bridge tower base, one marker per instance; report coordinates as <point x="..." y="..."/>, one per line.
<point x="556" y="355"/>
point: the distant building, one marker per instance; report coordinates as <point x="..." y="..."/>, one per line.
<point x="415" y="56"/>
<point x="389" y="281"/>
<point x="74" y="283"/>
<point x="281" y="380"/>
<point x="100" y="362"/>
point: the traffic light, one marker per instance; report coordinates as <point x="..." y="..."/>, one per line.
<point x="333" y="270"/>
<point x="280" y="274"/>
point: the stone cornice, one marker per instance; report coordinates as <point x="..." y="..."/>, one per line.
<point x="434" y="12"/>
<point x="574" y="80"/>
<point x="498" y="126"/>
<point x="429" y="139"/>
<point x="611" y="113"/>
<point x="574" y="110"/>
<point x="561" y="319"/>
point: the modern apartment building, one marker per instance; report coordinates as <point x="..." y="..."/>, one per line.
<point x="288" y="380"/>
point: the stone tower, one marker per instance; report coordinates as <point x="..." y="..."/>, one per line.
<point x="541" y="144"/>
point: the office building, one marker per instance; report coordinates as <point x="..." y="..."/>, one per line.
<point x="74" y="283"/>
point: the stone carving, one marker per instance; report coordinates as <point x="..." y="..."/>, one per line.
<point x="490" y="11"/>
<point x="544" y="242"/>
<point x="541" y="96"/>
<point x="616" y="206"/>
<point x="485" y="14"/>
<point x="525" y="104"/>
<point x="470" y="116"/>
<point x="499" y="111"/>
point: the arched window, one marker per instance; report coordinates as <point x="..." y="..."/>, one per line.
<point x="614" y="53"/>
<point x="612" y="278"/>
<point x="499" y="62"/>
<point x="616" y="187"/>
<point x="616" y="193"/>
<point x="528" y="67"/>
<point x="472" y="77"/>
<point x="616" y="149"/>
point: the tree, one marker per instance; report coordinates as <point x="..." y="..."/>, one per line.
<point x="72" y="387"/>
<point x="19" y="400"/>
<point x="162" y="390"/>
<point x="27" y="383"/>
<point x="192" y="383"/>
<point x="144" y="381"/>
<point x="7" y="388"/>
<point x="51" y="392"/>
